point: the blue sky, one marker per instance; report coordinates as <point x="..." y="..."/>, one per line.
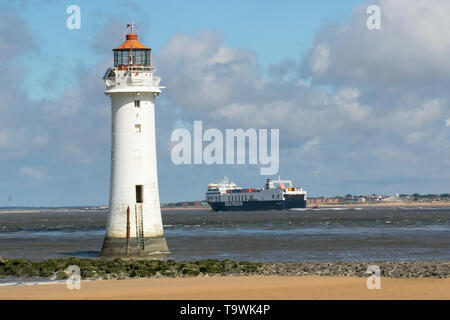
<point x="358" y="111"/>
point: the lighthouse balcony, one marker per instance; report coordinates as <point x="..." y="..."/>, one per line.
<point x="133" y="76"/>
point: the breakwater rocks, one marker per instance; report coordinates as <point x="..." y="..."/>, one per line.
<point x="123" y="269"/>
<point x="413" y="269"/>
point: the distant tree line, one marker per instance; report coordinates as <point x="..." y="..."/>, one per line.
<point x="418" y="196"/>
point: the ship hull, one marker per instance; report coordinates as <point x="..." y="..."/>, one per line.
<point x="257" y="205"/>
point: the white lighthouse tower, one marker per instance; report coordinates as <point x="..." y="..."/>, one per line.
<point x="134" y="226"/>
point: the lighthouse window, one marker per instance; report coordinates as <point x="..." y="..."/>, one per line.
<point x="137" y="127"/>
<point x="139" y="194"/>
<point x="120" y="57"/>
<point x="135" y="57"/>
<point x="117" y="58"/>
<point x="137" y="103"/>
<point x="139" y="57"/>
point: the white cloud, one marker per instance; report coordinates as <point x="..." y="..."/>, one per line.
<point x="300" y="112"/>
<point x="409" y="119"/>
<point x="311" y="143"/>
<point x="270" y="114"/>
<point x="430" y="111"/>
<point x="412" y="46"/>
<point x="320" y="61"/>
<point x="415" y="137"/>
<point x="347" y="101"/>
<point x="35" y="173"/>
<point x="447" y="122"/>
<point x="73" y="149"/>
<point x="201" y="73"/>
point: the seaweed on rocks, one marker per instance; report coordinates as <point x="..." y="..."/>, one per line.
<point x="122" y="269"/>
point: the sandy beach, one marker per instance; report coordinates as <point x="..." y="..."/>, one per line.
<point x="251" y="287"/>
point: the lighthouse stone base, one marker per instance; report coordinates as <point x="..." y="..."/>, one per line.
<point x="123" y="247"/>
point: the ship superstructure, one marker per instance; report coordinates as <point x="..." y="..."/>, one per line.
<point x="277" y="195"/>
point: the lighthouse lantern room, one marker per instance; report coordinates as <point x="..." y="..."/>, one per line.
<point x="134" y="226"/>
<point x="131" y="52"/>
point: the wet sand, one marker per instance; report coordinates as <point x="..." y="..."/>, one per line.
<point x="251" y="287"/>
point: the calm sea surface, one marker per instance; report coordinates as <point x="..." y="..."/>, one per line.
<point x="277" y="236"/>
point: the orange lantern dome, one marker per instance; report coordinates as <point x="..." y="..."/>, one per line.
<point x="131" y="42"/>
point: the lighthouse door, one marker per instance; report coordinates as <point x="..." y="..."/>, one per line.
<point x="139" y="194"/>
<point x="139" y="217"/>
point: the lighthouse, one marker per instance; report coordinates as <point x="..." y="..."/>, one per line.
<point x="134" y="226"/>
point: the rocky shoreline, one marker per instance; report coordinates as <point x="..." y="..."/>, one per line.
<point x="413" y="269"/>
<point x="125" y="269"/>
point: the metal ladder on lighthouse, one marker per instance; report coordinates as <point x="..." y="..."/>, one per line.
<point x="139" y="227"/>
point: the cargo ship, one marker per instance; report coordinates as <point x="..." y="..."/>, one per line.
<point x="277" y="195"/>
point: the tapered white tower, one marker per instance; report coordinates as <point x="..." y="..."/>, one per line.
<point x="134" y="226"/>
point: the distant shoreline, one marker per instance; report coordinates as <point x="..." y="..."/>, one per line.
<point x="386" y="204"/>
<point x="62" y="210"/>
<point x="324" y="205"/>
<point x="53" y="210"/>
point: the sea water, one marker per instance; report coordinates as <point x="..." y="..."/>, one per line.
<point x="328" y="234"/>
